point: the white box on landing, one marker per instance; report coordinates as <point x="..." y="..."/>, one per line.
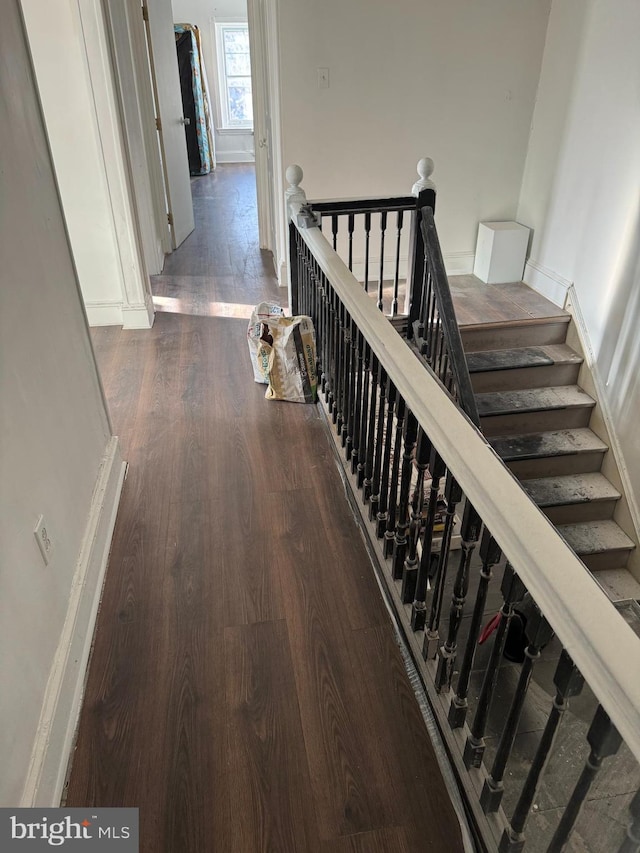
<point x="500" y="252"/>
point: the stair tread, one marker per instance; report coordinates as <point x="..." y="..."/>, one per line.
<point x="511" y="359"/>
<point x="532" y="400"/>
<point x="570" y="489"/>
<point x="538" y="445"/>
<point x="595" y="537"/>
<point x="619" y="584"/>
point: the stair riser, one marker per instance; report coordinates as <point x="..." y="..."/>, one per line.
<point x="578" y="512"/>
<point x="556" y="466"/>
<point x="538" y="334"/>
<point x="615" y="558"/>
<point x="518" y="423"/>
<point x="545" y="376"/>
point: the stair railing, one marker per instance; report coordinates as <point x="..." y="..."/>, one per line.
<point x="400" y="437"/>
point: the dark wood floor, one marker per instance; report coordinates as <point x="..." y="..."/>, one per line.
<point x="245" y="690"/>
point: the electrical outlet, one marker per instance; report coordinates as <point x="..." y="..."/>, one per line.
<point x="43" y="539"/>
<point x="323" y="78"/>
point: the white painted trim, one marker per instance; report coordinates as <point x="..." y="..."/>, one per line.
<point x="63" y="696"/>
<point x="104" y="313"/>
<point x="139" y="316"/>
<point x="276" y="202"/>
<point x="572" y="305"/>
<point x="547" y="282"/>
<point x="600" y="642"/>
<point x="235" y="157"/>
<point x="459" y="263"/>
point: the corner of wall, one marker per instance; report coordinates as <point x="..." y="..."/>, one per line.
<point x="54" y="738"/>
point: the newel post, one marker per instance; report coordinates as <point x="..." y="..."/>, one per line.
<point x="294" y="194"/>
<point x="424" y="191"/>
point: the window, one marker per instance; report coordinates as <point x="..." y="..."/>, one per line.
<point x="234" y="73"/>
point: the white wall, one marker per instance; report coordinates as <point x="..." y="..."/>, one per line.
<point x="455" y="81"/>
<point x="231" y="146"/>
<point x="81" y="114"/>
<point x="580" y="192"/>
<point x="54" y="430"/>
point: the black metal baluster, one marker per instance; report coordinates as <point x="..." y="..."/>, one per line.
<point x="452" y="496"/>
<point x="362" y="449"/>
<point x="402" y="529"/>
<point x="569" y="682"/>
<point x="334" y="230"/>
<point x="367" y="487"/>
<point x="294" y="254"/>
<point x="490" y="554"/>
<point x="367" y="235"/>
<point x="631" y="844"/>
<point x="346" y="380"/>
<point x="410" y="570"/>
<point x="383" y="228"/>
<point x="419" y="608"/>
<point x="330" y="366"/>
<point x="512" y="589"/>
<point x="392" y="504"/>
<point x="383" y="502"/>
<point x="604" y="740"/>
<point x="396" y="279"/>
<point x="357" y="406"/>
<point x="374" y="501"/>
<point x="351" y="223"/>
<point x="421" y="324"/>
<point x="337" y="393"/>
<point x="469" y="534"/>
<point x="353" y="394"/>
<point x="539" y="632"/>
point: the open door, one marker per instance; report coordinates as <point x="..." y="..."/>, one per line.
<point x="173" y="146"/>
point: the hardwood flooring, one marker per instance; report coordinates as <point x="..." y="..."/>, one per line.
<point x="245" y="689"/>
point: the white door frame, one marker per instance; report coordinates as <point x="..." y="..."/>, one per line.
<point x="263" y="30"/>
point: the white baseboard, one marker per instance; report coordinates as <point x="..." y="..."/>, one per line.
<point x="459" y="263"/>
<point x="104" y="313"/>
<point x="572" y="305"/>
<point x="547" y="282"/>
<point x="139" y="316"/>
<point x="235" y="157"/>
<point x="65" y="687"/>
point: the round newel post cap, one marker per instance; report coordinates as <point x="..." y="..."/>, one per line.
<point x="294" y="194"/>
<point x="294" y="176"/>
<point x="425" y="170"/>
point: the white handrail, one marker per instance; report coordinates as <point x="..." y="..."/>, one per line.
<point x="602" y="645"/>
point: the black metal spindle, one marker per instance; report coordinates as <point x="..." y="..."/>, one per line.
<point x="512" y="589"/>
<point x="383" y="228"/>
<point x="419" y="607"/>
<point x="349" y="375"/>
<point x="364" y="421"/>
<point x="396" y="278"/>
<point x="410" y="570"/>
<point x="631" y="844"/>
<point x="469" y="534"/>
<point x="334" y="230"/>
<point x="539" y="632"/>
<point x="294" y="253"/>
<point x="392" y="505"/>
<point x="490" y="554"/>
<point x="374" y="501"/>
<point x="367" y="486"/>
<point x="351" y="225"/>
<point x="367" y="236"/>
<point x="383" y="502"/>
<point x="604" y="740"/>
<point x="569" y="682"/>
<point x="357" y="405"/>
<point x="337" y="342"/>
<point x="452" y="496"/>
<point x="402" y="528"/>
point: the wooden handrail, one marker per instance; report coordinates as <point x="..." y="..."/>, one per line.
<point x="603" y="646"/>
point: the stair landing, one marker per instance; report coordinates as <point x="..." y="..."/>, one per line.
<point x="480" y="304"/>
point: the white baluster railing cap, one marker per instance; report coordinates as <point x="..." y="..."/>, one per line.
<point x="294" y="194"/>
<point x="425" y="169"/>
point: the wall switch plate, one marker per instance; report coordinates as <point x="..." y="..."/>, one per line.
<point x="323" y="78"/>
<point x="43" y="539"/>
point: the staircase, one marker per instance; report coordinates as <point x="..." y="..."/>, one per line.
<point x="536" y="417"/>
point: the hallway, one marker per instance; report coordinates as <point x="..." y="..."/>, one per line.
<point x="245" y="689"/>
